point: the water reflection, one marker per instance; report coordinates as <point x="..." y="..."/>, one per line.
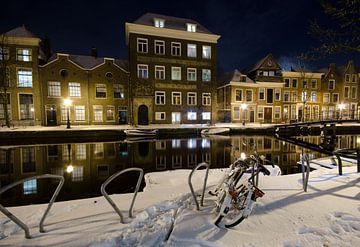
<point x="86" y="166"/>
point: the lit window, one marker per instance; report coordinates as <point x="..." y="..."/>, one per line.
<point x="2" y="106"/>
<point x="159" y="23"/>
<point x="191" y="74"/>
<point x="30" y="187"/>
<point x="77" y="174"/>
<point x="26" y="106"/>
<point x="23" y="55"/>
<point x="175" y="143"/>
<point x="175" y="49"/>
<point x="142" y="45"/>
<point x="206" y="98"/>
<point x="54" y="89"/>
<point x="98" y="113"/>
<point x="4" y="53"/>
<point x="271" y="73"/>
<point x="175" y="73"/>
<point x="160" y="115"/>
<point x="305" y="84"/>
<point x="79" y="113"/>
<point x="110" y="113"/>
<point x="74" y="89"/>
<point x="160" y="72"/>
<point x="205" y="143"/>
<point x="159" y="47"/>
<point x="326" y="98"/>
<point x="248" y="95"/>
<point x="191" y="98"/>
<point x="100" y="91"/>
<point x="176" y="98"/>
<point x="206" y="115"/>
<point x="238" y="95"/>
<point x="304" y="96"/>
<point x="313" y="97"/>
<point x="160" y="98"/>
<point x="277" y="113"/>
<point x="331" y="84"/>
<point x="191" y="143"/>
<point x="261" y="112"/>
<point x="191" y="27"/>
<point x="118" y="91"/>
<point x="206" y="51"/>
<point x="206" y="75"/>
<point x="191" y="50"/>
<point x="25" y="78"/>
<point x="80" y="151"/>
<point x="143" y="71"/>
<point x="191" y="115"/>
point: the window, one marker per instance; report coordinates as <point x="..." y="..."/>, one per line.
<point x="236" y="113"/>
<point x="206" y="51"/>
<point x="305" y="85"/>
<point x="24" y="77"/>
<point x="313" y="97"/>
<point x="2" y="107"/>
<point x="191" y="27"/>
<point x="159" y="47"/>
<point x="206" y="98"/>
<point x="160" y="162"/>
<point x="160" y="145"/>
<point x="175" y="143"/>
<point x="335" y="97"/>
<point x="100" y="91"/>
<point x="354" y="78"/>
<point x="248" y="95"/>
<point x="191" y="98"/>
<point x="238" y="95"/>
<point x="206" y="116"/>
<point x="160" y="72"/>
<point x="160" y="98"/>
<point x="293" y="96"/>
<point x="331" y="84"/>
<point x="294" y="83"/>
<point x="347" y="78"/>
<point x="176" y="98"/>
<point x="277" y="94"/>
<point x="54" y="89"/>
<point x="286" y="96"/>
<point x="26" y="106"/>
<point x="175" y="49"/>
<point x="30" y="187"/>
<point x="191" y="74"/>
<point x="286" y="112"/>
<point x="346" y="92"/>
<point x="191" y="116"/>
<point x="271" y="73"/>
<point x="191" y="50"/>
<point x="74" y="89"/>
<point x="176" y="161"/>
<point x="314" y="84"/>
<point x="142" y="45"/>
<point x="142" y="71"/>
<point x="261" y="93"/>
<point x="160" y="115"/>
<point x="79" y="113"/>
<point x="353" y="92"/>
<point x="175" y="73"/>
<point x="110" y="113"/>
<point x="206" y="75"/>
<point x="98" y="113"/>
<point x="287" y="82"/>
<point x="4" y="53"/>
<point x="303" y="96"/>
<point x="159" y="23"/>
<point x="191" y="143"/>
<point x="260" y="112"/>
<point x="64" y="113"/>
<point x="326" y="98"/>
<point x="23" y="55"/>
<point x="118" y="91"/>
<point x="80" y="151"/>
<point x="277" y="113"/>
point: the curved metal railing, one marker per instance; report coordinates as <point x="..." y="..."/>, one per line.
<point x="204" y="186"/>
<point x="17" y="220"/>
<point x="107" y="197"/>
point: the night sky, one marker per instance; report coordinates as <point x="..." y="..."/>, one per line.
<point x="250" y="29"/>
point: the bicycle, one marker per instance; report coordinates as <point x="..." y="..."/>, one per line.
<point x="235" y="202"/>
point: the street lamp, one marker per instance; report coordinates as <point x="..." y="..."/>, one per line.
<point x="67" y="103"/>
<point x="244" y="107"/>
<point x="341" y="108"/>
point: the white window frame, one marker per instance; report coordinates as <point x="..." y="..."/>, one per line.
<point x="260" y="112"/>
<point x="191" y="48"/>
<point x="111" y="109"/>
<point x="292" y="83"/>
<point x="206" y="52"/>
<point x="191" y="74"/>
<point x="160" y="98"/>
<point x="160" y="23"/>
<point x="286" y="79"/>
<point x="159" y="72"/>
<point x="159" y="47"/>
<point x="143" y="71"/>
<point x="174" y="97"/>
<point x="24" y="80"/>
<point x="330" y="82"/>
<point x="312" y="98"/>
<point x="348" y="92"/>
<point x="288" y="96"/>
<point x="277" y="92"/>
<point x="262" y="91"/>
<point x="21" y="56"/>
<point x="328" y="98"/>
<point x="353" y="96"/>
<point x="142" y="45"/>
<point x="204" y="75"/>
<point x="313" y="81"/>
<point x="252" y="95"/>
<point x="236" y="112"/>
<point x="175" y="49"/>
<point x="98" y="113"/>
<point x="277" y="108"/>
<point x="74" y="89"/>
<point x="206" y="116"/>
<point x="241" y="95"/>
<point x="191" y="116"/>
<point x="102" y="89"/>
<point x="206" y="99"/>
<point x="77" y="113"/>
<point x="160" y="116"/>
<point x="54" y="89"/>
<point x="176" y="73"/>
<point x="192" y="98"/>
<point x="191" y="27"/>
<point x="338" y="99"/>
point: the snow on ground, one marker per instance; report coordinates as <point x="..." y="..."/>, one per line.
<point x="327" y="215"/>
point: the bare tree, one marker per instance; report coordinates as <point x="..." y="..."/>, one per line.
<point x="4" y="77"/>
<point x="341" y="35"/>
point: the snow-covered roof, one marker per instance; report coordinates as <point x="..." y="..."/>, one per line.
<point x="20" y="32"/>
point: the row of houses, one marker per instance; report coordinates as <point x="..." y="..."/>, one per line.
<point x="170" y="77"/>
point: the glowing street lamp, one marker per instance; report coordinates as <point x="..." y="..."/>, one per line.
<point x="67" y="103"/>
<point x="341" y="108"/>
<point x="244" y="106"/>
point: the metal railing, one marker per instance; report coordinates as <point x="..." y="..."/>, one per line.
<point x="107" y="197"/>
<point x="349" y="153"/>
<point x="305" y="176"/>
<point x="204" y="185"/>
<point x="17" y="220"/>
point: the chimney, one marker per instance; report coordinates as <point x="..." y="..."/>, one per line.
<point x="94" y="52"/>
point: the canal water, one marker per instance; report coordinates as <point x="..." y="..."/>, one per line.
<point x="86" y="166"/>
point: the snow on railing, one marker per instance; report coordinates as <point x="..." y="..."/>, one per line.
<point x="204" y="186"/>
<point x="17" y="220"/>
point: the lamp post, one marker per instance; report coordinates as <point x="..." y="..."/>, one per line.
<point x="244" y="107"/>
<point x="67" y="103"/>
<point x="341" y="108"/>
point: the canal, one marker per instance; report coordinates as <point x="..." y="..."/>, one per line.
<point x="86" y="166"/>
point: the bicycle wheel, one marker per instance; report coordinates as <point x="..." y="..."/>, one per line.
<point x="236" y="210"/>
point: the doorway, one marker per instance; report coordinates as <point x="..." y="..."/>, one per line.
<point x="143" y="115"/>
<point x="267" y="114"/>
<point x="51" y="115"/>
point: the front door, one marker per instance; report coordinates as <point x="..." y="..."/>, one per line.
<point x="143" y="115"/>
<point x="252" y="116"/>
<point x="122" y="117"/>
<point x="51" y="115"/>
<point x="267" y="114"/>
<point x="175" y="117"/>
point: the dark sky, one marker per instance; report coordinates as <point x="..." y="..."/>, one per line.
<point x="249" y="29"/>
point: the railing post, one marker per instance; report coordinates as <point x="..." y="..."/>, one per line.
<point x="358" y="159"/>
<point x="339" y="163"/>
<point x="204" y="185"/>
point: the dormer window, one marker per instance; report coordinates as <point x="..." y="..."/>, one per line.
<point x="191" y="27"/>
<point x="159" y="23"/>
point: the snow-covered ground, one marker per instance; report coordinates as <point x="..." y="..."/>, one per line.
<point x="327" y="215"/>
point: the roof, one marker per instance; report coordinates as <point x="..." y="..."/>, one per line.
<point x="262" y="61"/>
<point x="20" y="32"/>
<point x="170" y="22"/>
<point x="90" y="62"/>
<point x="236" y="76"/>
